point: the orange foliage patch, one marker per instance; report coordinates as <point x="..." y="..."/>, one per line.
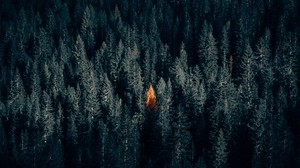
<point x="151" y="99"/>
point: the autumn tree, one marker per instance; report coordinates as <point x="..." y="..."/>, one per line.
<point x="151" y="99"/>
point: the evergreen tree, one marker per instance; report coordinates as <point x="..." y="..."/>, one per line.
<point x="164" y="94"/>
<point x="225" y="45"/>
<point x="207" y="52"/>
<point x="16" y="96"/>
<point x="56" y="83"/>
<point x="106" y="97"/>
<point x="91" y="105"/>
<point x="183" y="57"/>
<point x="81" y="62"/>
<point x="130" y="147"/>
<point x="164" y="97"/>
<point x="72" y="142"/>
<point x="283" y="148"/>
<point x="248" y="99"/>
<point x="51" y="22"/>
<point x="47" y="117"/>
<point x="147" y="67"/>
<point x="220" y="149"/>
<point x="286" y="58"/>
<point x="101" y="144"/>
<point x="179" y="73"/>
<point x="248" y="87"/>
<point x="181" y="155"/>
<point x="258" y="127"/>
<point x="88" y="27"/>
<point x="45" y="77"/>
<point x="264" y="70"/>
<point x="43" y="46"/>
<point x="115" y="62"/>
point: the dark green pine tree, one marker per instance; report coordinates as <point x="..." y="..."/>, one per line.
<point x="282" y="143"/>
<point x="35" y="129"/>
<point x="135" y="146"/>
<point x="81" y="62"/>
<point x="20" y="39"/>
<point x="224" y="116"/>
<point x="147" y="66"/>
<point x="208" y="54"/>
<point x="72" y="142"/>
<point x="15" y="108"/>
<point x="64" y="20"/>
<point x="179" y="73"/>
<point x="241" y="35"/>
<point x="47" y="117"/>
<point x="50" y="141"/>
<point x="16" y="96"/>
<point x="164" y="61"/>
<point x="100" y="59"/>
<point x="195" y="96"/>
<point x="187" y="30"/>
<point x="136" y="88"/>
<point x="107" y="99"/>
<point x="35" y="84"/>
<point x="28" y="127"/>
<point x="225" y="46"/>
<point x="181" y="154"/>
<point x="220" y="150"/>
<point x="51" y="25"/>
<point x="43" y="46"/>
<point x="128" y="134"/>
<point x="88" y="27"/>
<point x="23" y="148"/>
<point x="258" y="130"/>
<point x="90" y="93"/>
<point x="194" y="92"/>
<point x="64" y="52"/>
<point x="263" y="66"/>
<point x="59" y="119"/>
<point x="54" y="145"/>
<point x="135" y="80"/>
<point x="102" y="145"/>
<point x="248" y="87"/>
<point x="248" y="99"/>
<point x="45" y="75"/>
<point x="183" y="56"/>
<point x="115" y="62"/>
<point x="164" y="97"/>
<point x="74" y="119"/>
<point x="90" y="107"/>
<point x="56" y="83"/>
<point x="286" y="58"/>
<point x="42" y="130"/>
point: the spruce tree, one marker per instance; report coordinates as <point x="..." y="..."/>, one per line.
<point x="208" y="53"/>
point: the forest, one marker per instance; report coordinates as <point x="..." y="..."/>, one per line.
<point x="150" y="83"/>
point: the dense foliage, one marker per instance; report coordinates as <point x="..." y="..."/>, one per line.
<point x="74" y="77"/>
